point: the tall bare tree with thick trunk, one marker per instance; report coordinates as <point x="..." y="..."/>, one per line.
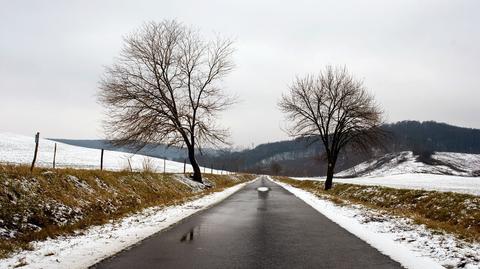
<point x="165" y="88"/>
<point x="336" y="108"/>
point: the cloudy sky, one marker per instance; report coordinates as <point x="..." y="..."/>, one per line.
<point x="421" y="59"/>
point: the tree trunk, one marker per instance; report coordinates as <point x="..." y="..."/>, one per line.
<point x="330" y="171"/>
<point x="197" y="174"/>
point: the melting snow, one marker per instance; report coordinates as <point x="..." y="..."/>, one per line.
<point x="99" y="242"/>
<point x="412" y="245"/>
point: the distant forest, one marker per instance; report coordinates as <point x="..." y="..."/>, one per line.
<point x="304" y="157"/>
<point x="434" y="136"/>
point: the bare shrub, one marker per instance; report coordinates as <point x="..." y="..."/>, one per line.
<point x="148" y="166"/>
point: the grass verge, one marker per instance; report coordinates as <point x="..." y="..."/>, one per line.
<point x="49" y="203"/>
<point x="454" y="213"/>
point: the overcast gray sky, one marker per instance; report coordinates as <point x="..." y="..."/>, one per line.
<point x="421" y="59"/>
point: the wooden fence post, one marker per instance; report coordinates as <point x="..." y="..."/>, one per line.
<point x="164" y="166"/>
<point x="37" y="137"/>
<point x="211" y="169"/>
<point x="54" y="155"/>
<point x="184" y="166"/>
<point x="101" y="160"/>
<point x="130" y="165"/>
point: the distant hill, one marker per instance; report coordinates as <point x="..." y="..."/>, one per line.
<point x="158" y="151"/>
<point x="405" y="162"/>
<point x="304" y="157"/>
<point x="433" y="136"/>
<point x="297" y="154"/>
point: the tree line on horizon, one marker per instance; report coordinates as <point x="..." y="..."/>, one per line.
<point x="409" y="135"/>
<point x="299" y="157"/>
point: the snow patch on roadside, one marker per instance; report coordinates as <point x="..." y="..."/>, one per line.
<point x="97" y="243"/>
<point x="414" y="246"/>
<point x="195" y="186"/>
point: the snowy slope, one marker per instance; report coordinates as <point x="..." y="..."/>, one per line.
<point x="451" y="172"/>
<point x="444" y="183"/>
<point x="18" y="149"/>
<point x="430" y="182"/>
<point x="441" y="163"/>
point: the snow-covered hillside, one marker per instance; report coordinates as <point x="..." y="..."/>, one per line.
<point x="444" y="172"/>
<point x="18" y="149"/>
<point x="440" y="163"/>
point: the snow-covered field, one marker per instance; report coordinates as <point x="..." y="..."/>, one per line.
<point x="403" y="171"/>
<point x="468" y="185"/>
<point x="412" y="245"/>
<point x="99" y="242"/>
<point x="18" y="149"/>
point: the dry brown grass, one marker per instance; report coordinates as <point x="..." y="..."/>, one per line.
<point x="454" y="213"/>
<point x="49" y="203"/>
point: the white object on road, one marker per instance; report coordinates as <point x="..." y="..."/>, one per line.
<point x="263" y="189"/>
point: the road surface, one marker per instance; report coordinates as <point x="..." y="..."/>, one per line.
<point x="252" y="229"/>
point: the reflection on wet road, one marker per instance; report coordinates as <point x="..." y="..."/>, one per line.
<point x="261" y="226"/>
<point x="188" y="236"/>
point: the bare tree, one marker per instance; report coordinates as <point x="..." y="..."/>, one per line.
<point x="335" y="108"/>
<point x="275" y="168"/>
<point x="165" y="88"/>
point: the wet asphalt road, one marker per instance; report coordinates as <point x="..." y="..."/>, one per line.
<point x="253" y="230"/>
